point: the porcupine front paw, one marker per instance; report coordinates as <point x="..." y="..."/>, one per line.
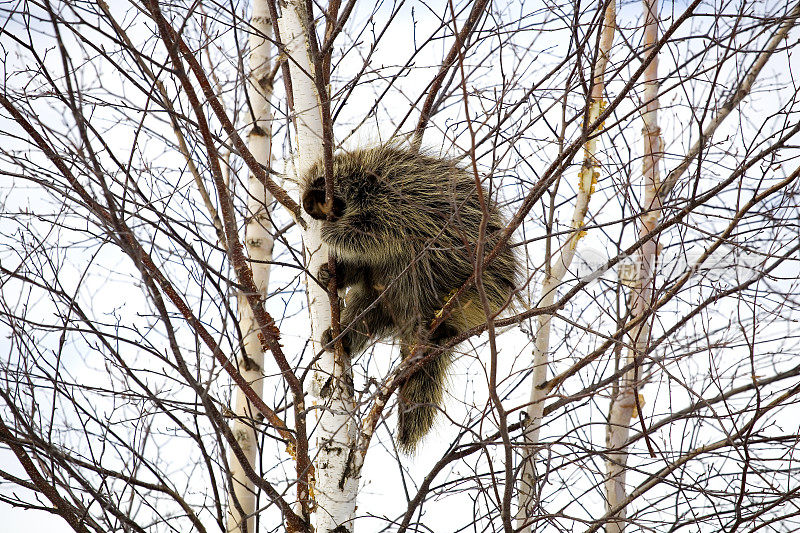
<point x="324" y="275"/>
<point x="327" y="341"/>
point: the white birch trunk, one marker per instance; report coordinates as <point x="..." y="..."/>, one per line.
<point x="336" y="485"/>
<point x="558" y="268"/>
<point x="623" y="403"/>
<point x="258" y="242"/>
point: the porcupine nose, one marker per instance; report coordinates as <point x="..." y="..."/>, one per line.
<point x="314" y="203"/>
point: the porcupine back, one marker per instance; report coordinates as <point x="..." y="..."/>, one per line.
<point x="405" y="230"/>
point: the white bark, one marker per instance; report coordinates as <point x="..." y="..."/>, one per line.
<point x="258" y="242"/>
<point x="336" y="485"/>
<point x="623" y="403"/>
<point x="558" y="268"/>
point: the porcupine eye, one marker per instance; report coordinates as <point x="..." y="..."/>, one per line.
<point x="338" y="207"/>
<point x="314" y="202"/>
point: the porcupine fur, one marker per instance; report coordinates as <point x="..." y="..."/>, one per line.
<point x="404" y="229"/>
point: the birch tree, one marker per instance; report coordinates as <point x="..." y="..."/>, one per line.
<point x="625" y="400"/>
<point x="258" y="241"/>
<point x="556" y="270"/>
<point x="331" y="383"/>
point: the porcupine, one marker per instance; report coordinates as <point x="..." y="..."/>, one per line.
<point x="403" y="232"/>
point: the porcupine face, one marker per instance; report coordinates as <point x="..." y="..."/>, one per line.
<point x="365" y="206"/>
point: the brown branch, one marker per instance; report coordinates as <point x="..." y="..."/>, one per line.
<point x="737" y="95"/>
<point x="269" y="334"/>
<point x="658" y="477"/>
<point x="172" y="39"/>
<point x="433" y="90"/>
<point x="77" y="519"/>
